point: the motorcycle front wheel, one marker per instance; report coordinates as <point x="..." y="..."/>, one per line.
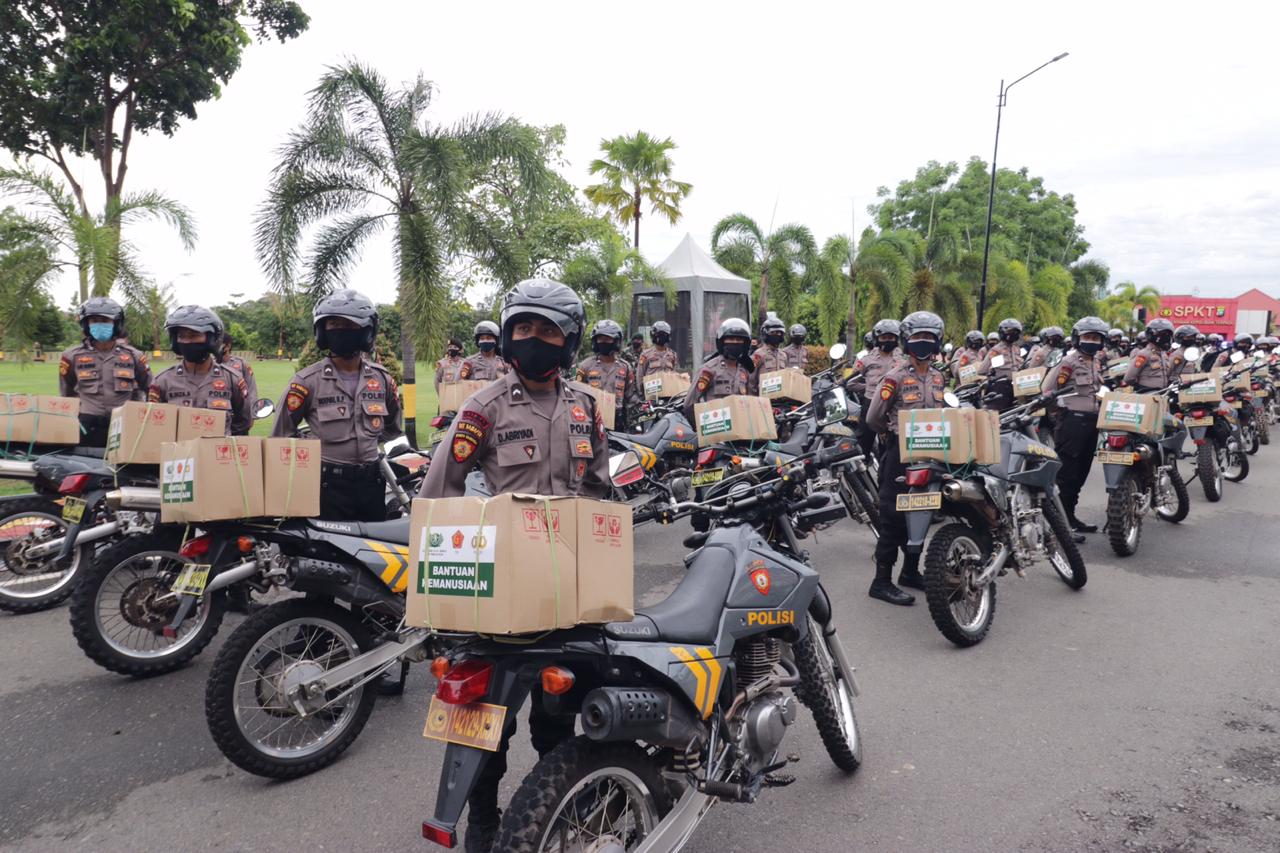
<point x="246" y="703"/>
<point x="29" y="584"/>
<point x="1233" y="460"/>
<point x="1209" y="471"/>
<point x="1182" y="500"/>
<point x="1250" y="438"/>
<point x="1064" y="554"/>
<point x="1124" y="522"/>
<point x="586" y="796"/>
<point x="1263" y="427"/>
<point x="962" y="612"/>
<point x="828" y="693"/>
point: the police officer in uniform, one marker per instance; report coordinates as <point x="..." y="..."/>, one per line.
<point x="658" y="357"/>
<point x="101" y="370"/>
<point x="632" y="354"/>
<point x="912" y="384"/>
<point x="971" y="353"/>
<point x="796" y="353"/>
<point x="239" y="365"/>
<point x="730" y="371"/>
<point x="769" y="356"/>
<point x="604" y="370"/>
<point x="871" y="368"/>
<point x="485" y="365"/>
<point x="1185" y="336"/>
<point x="1009" y="333"/>
<point x="1115" y="345"/>
<point x="993" y="338"/>
<point x="449" y="368"/>
<point x="199" y="381"/>
<point x="1213" y="346"/>
<point x="528" y="432"/>
<point x="1050" y="339"/>
<point x="350" y="403"/>
<point x="1243" y="343"/>
<point x="1148" y="369"/>
<point x="1079" y="374"/>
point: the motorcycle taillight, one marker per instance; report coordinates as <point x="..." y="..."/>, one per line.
<point x="437" y="422"/>
<point x="1117" y="441"/>
<point x="1199" y="413"/>
<point x="465" y="683"/>
<point x="706" y="457"/>
<point x="195" y="548"/>
<point x="73" y="484"/>
<point x="1257" y="386"/>
<point x="918" y="476"/>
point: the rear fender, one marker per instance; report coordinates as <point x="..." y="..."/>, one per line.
<point x="1114" y="475"/>
<point x="918" y="522"/>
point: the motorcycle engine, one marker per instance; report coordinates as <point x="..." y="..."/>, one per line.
<point x="760" y="728"/>
<point x="1029" y="523"/>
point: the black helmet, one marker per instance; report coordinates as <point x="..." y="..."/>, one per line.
<point x="973" y="339"/>
<point x="349" y="305"/>
<point x="1267" y="342"/>
<point x="198" y="319"/>
<point x="608" y="329"/>
<point x="797" y="330"/>
<point x="772" y="324"/>
<point x="1186" y="334"/>
<point x="887" y="327"/>
<point x="1160" y="332"/>
<point x="993" y="337"/>
<point x="101" y="306"/>
<point x="921" y="321"/>
<point x="1215" y="339"/>
<point x="1010" y="329"/>
<point x="550" y="300"/>
<point x="1115" y="335"/>
<point x="732" y="327"/>
<point x="869" y="339"/>
<point x="485" y="327"/>
<point x="1052" y="335"/>
<point x="1244" y="342"/>
<point x="660" y="327"/>
<point x="1086" y="325"/>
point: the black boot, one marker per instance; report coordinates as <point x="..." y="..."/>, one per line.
<point x="481" y="832"/>
<point x="1080" y="527"/>
<point x="910" y="575"/>
<point x="883" y="589"/>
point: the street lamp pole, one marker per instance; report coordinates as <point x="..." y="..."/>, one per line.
<point x="991" y="193"/>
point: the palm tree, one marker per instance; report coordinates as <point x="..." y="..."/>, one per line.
<point x="787" y="257"/>
<point x="1132" y="296"/>
<point x="636" y="169"/>
<point x="606" y="271"/>
<point x="27" y="266"/>
<point x="367" y="158"/>
<point x="1051" y="288"/>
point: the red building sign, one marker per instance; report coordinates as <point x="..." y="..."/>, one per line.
<point x="1207" y="315"/>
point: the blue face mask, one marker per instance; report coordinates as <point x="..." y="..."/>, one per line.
<point x="102" y="332"/>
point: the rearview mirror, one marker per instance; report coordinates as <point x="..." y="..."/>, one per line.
<point x="831" y="406"/>
<point x="1237" y="357"/>
<point x="1023" y="351"/>
<point x="950" y="398"/>
<point x="837" y="351"/>
<point x="947" y="348"/>
<point x="997" y="361"/>
<point x="264" y="409"/>
<point x="1052" y="359"/>
<point x="862" y="354"/>
<point x="625" y="469"/>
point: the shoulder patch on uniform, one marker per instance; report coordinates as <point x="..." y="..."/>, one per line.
<point x="1064" y="373"/>
<point x="704" y="380"/>
<point x="299" y="389"/>
<point x="463" y="447"/>
<point x="1139" y="361"/>
<point x="64" y="366"/>
<point x="887" y="389"/>
<point x="153" y="394"/>
<point x="471" y="416"/>
<point x="293" y="401"/>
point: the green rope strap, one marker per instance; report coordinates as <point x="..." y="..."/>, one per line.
<point x="235" y="461"/>
<point x="288" y="495"/>
<point x="146" y="421"/>
<point x="10" y="416"/>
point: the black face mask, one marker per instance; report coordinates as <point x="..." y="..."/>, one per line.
<point x="774" y="339"/>
<point x="923" y="350"/>
<point x="1011" y="337"/>
<point x="534" y="358"/>
<point x="488" y="346"/>
<point x="887" y="346"/>
<point x="345" y="343"/>
<point x="661" y="339"/>
<point x="604" y="347"/>
<point x="637" y="346"/>
<point x="197" y="353"/>
<point x="797" y="340"/>
<point x="734" y="352"/>
<point x="454" y="352"/>
<point x="1089" y="347"/>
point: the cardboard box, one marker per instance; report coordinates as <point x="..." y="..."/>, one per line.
<point x="137" y="431"/>
<point x="1117" y="368"/>
<point x="39" y="419"/>
<point x="201" y="423"/>
<point x="290" y="477"/>
<point x="607" y="406"/>
<point x="944" y="435"/>
<point x="1138" y="413"/>
<point x="986" y="431"/>
<point x="211" y="479"/>
<point x="737" y="418"/>
<point x="969" y="374"/>
<point x="1026" y="383"/>
<point x="515" y="563"/>
<point x="789" y="384"/>
<point x="454" y="394"/>
<point x="1201" y="388"/>
<point x="1240" y="382"/>
<point x="668" y="383"/>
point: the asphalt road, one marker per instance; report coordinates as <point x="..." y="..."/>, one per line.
<point x="1139" y="713"/>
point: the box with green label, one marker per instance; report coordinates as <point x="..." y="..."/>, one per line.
<point x="137" y="430"/>
<point x="211" y="479"/>
<point x="1026" y="383"/>
<point x="666" y="383"/>
<point x="789" y="384"/>
<point x="516" y="563"/>
<point x="943" y="435"/>
<point x="735" y="418"/>
<point x="1200" y="388"/>
<point x="1137" y="413"/>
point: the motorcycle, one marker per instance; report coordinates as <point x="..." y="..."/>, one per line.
<point x="1261" y="386"/>
<point x="1220" y="449"/>
<point x="667" y="448"/>
<point x="1008" y="512"/>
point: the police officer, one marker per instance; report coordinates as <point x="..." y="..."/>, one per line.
<point x="796" y="352"/>
<point x="1051" y="339"/>
<point x="1009" y="333"/>
<point x="239" y="365"/>
<point x="769" y="356"/>
<point x="730" y="371"/>
<point x="869" y="341"/>
<point x="1243" y="343"/>
<point x="604" y="370"/>
<point x="871" y="368"/>
<point x="632" y="354"/>
<point x="198" y="380"/>
<point x="658" y="357"/>
<point x="1184" y="336"/>
<point x="350" y="403"/>
<point x="1079" y="374"/>
<point x="1115" y="344"/>
<point x="971" y="353"/>
<point x="485" y="365"/>
<point x="1213" y="347"/>
<point x="101" y="370"/>
<point x="1148" y="369"/>
<point x="912" y="384"/>
<point x="528" y="432"/>
<point x="449" y="368"/>
<point x="993" y="338"/>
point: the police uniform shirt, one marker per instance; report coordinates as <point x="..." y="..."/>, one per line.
<point x="769" y="358"/>
<point x="1079" y="376"/>
<point x="797" y="356"/>
<point x="522" y="447"/>
<point x="617" y="376"/>
<point x="239" y="365"/>
<point x="655" y="360"/>
<point x="103" y="380"/>
<point x="873" y="366"/>
<point x="1012" y="361"/>
<point x="219" y="388"/>
<point x="349" y="428"/>
<point x="449" y="369"/>
<point x="1038" y="354"/>
<point x="1148" y="368"/>
<point x="965" y="357"/>
<point x="902" y="388"/>
<point x="483" y="368"/>
<point x="719" y="378"/>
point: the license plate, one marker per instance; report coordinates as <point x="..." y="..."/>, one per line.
<point x="1237" y="404"/>
<point x="192" y="581"/>
<point x="919" y="501"/>
<point x="73" y="510"/>
<point x="707" y="477"/>
<point x="476" y="724"/>
<point x="1198" y="422"/>
<point x="1262" y="392"/>
<point x="1108" y="457"/>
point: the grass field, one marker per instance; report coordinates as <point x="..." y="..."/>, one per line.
<point x="272" y="376"/>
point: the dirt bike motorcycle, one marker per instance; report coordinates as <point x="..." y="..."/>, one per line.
<point x="1001" y="516"/>
<point x="667" y="447"/>
<point x="1220" y="447"/>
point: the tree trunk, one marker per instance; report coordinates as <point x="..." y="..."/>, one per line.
<point x="636" y="216"/>
<point x="762" y="310"/>
<point x="408" y="354"/>
<point x="851" y="329"/>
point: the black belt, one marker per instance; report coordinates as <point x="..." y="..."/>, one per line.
<point x="1093" y="415"/>
<point x="94" y="419"/>
<point x="351" y="470"/>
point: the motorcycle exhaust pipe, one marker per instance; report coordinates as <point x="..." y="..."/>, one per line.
<point x="963" y="490"/>
<point x="997" y="563"/>
<point x="93" y="534"/>
<point x="12" y="469"/>
<point x="235" y="574"/>
<point x="636" y="713"/>
<point x="133" y="497"/>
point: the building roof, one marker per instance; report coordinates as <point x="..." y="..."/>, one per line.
<point x="1255" y="300"/>
<point x="689" y="261"/>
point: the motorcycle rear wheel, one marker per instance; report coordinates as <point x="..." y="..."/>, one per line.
<point x="1249" y="435"/>
<point x="1183" y="506"/>
<point x="245" y="704"/>
<point x="28" y="587"/>
<point x="963" y="615"/>
<point x="829" y="696"/>
<point x="1124" y="524"/>
<point x="1208" y="472"/>
<point x="1234" y="462"/>
<point x="1263" y="427"/>
<point x="585" y="796"/>
<point x="858" y="484"/>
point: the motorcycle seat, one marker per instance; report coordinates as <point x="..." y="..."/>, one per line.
<point x="691" y="614"/>
<point x="651" y="436"/>
<point x="795" y="445"/>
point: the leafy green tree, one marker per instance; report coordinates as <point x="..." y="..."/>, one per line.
<point x="82" y="77"/>
<point x="605" y="271"/>
<point x="147" y="312"/>
<point x="1089" y="282"/>
<point x="783" y="262"/>
<point x="636" y="169"/>
<point x="1117" y="307"/>
<point x="367" y="158"/>
<point x="27" y="264"/>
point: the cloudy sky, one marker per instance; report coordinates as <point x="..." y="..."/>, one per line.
<point x="1164" y="120"/>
